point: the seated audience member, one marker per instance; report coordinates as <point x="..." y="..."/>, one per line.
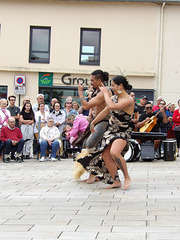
<point x="53" y="101"/>
<point x="40" y="99"/>
<point x="4" y="113"/>
<point x="49" y="139"/>
<point x="27" y="127"/>
<point x="68" y="107"/>
<point x="141" y="105"/>
<point x="44" y="116"/>
<point x="145" y="117"/>
<point x="58" y="116"/>
<point x="13" y="140"/>
<point x="80" y="124"/>
<point x="14" y="110"/>
<point x="156" y="107"/>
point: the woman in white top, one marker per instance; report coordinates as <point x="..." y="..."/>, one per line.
<point x="44" y="116"/>
<point x="58" y="116"/>
<point x="4" y="113"/>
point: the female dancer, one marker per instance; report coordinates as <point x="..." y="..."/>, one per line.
<point x="115" y="139"/>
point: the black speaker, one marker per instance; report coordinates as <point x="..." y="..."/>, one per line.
<point x="169" y="149"/>
<point x="147" y="151"/>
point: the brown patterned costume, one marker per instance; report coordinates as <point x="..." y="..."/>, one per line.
<point x="118" y="127"/>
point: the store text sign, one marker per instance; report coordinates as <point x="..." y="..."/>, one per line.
<point x="68" y="80"/>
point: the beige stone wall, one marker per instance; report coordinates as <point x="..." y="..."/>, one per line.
<point x="129" y="43"/>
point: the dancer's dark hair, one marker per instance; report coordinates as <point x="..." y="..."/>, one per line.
<point x="122" y="80"/>
<point x="99" y="74"/>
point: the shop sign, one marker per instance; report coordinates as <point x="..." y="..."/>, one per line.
<point x="45" y="79"/>
<point x="19" y="90"/>
<point x="68" y="80"/>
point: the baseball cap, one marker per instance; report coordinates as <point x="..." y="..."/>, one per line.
<point x="143" y="97"/>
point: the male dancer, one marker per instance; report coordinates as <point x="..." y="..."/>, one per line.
<point x="96" y="104"/>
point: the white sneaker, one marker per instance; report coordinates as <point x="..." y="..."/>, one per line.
<point x="42" y="159"/>
<point x="53" y="159"/>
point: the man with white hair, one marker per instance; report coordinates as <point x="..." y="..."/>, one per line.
<point x="40" y="99"/>
<point x="13" y="140"/>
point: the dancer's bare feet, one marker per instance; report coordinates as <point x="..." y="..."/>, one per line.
<point x="127" y="183"/>
<point x="116" y="184"/>
<point x="91" y="179"/>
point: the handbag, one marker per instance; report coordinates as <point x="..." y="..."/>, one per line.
<point x="176" y="128"/>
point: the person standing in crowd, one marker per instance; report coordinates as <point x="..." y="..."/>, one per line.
<point x="176" y="126"/>
<point x="12" y="138"/>
<point x="141" y="105"/>
<point x="135" y="117"/>
<point x="53" y="101"/>
<point x="76" y="106"/>
<point x="115" y="140"/>
<point x="59" y="116"/>
<point x="156" y="107"/>
<point x="44" y="116"/>
<point x="27" y="128"/>
<point x="68" y="107"/>
<point x="40" y="99"/>
<point x="88" y="95"/>
<point x="96" y="104"/>
<point x="49" y="138"/>
<point x="163" y="125"/>
<point x="4" y="113"/>
<point x="169" y="114"/>
<point x="14" y="110"/>
<point x="26" y="99"/>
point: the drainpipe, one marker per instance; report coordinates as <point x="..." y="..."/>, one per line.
<point x="159" y="77"/>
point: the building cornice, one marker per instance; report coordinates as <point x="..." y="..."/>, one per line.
<point x="74" y="71"/>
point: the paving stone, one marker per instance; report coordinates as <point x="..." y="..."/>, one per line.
<point x="43" y="201"/>
<point x="78" y="235"/>
<point x="163" y="236"/>
<point x="123" y="236"/>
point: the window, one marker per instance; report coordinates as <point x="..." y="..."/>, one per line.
<point x="39" y="44"/>
<point x="3" y="91"/>
<point x="61" y="93"/>
<point x="90" y="46"/>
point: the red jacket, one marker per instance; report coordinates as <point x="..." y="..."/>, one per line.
<point x="176" y="118"/>
<point x="14" y="134"/>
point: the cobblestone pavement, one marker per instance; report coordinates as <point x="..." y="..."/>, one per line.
<point x="41" y="200"/>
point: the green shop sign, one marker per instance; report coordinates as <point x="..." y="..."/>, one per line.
<point x="45" y="79"/>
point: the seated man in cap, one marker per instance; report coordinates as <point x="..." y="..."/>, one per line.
<point x="13" y="140"/>
<point x="141" y="105"/>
